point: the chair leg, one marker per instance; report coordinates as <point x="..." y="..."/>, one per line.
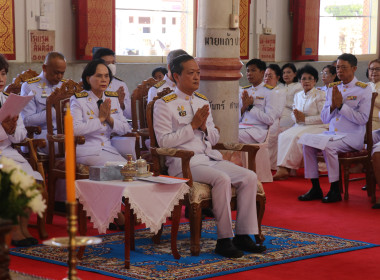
<point x="346" y="172"/>
<point x="51" y="199"/>
<point x="41" y="220"/>
<point x="370" y="181"/>
<point x="260" y="206"/>
<point x="195" y="217"/>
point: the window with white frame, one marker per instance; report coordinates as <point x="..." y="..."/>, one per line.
<point x="153" y="27"/>
<point x="348" y="26"/>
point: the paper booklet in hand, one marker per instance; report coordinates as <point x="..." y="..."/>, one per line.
<point x="13" y="105"/>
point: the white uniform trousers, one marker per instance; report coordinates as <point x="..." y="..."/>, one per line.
<point x="101" y="159"/>
<point x="376" y="141"/>
<point x="220" y="176"/>
<point x="330" y="153"/>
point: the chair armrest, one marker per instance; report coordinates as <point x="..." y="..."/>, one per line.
<point x="60" y="138"/>
<point x="241" y="147"/>
<point x="32" y="130"/>
<point x="184" y="155"/>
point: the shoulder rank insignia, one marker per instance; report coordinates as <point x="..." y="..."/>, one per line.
<point x="170" y="97"/>
<point x="334" y="84"/>
<point x="33" y="80"/>
<point x="6" y="93"/>
<point x="117" y="78"/>
<point x="268" y="87"/>
<point x="160" y="83"/>
<point x="111" y="93"/>
<point x="361" y="84"/>
<point x="197" y="94"/>
<point x="81" y="94"/>
<point x="245" y="87"/>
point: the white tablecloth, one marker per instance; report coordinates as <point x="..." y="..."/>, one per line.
<point x="151" y="202"/>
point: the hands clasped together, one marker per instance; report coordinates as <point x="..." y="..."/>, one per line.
<point x="105" y="112"/>
<point x="9" y="124"/>
<point x="336" y="100"/>
<point x="300" y="117"/>
<point x="121" y="96"/>
<point x="246" y="100"/>
<point x="200" y="118"/>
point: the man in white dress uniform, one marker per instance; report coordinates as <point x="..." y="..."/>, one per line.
<point x="258" y="105"/>
<point x="346" y="110"/>
<point x="183" y="120"/>
<point x="168" y="81"/>
<point x="117" y="84"/>
<point x="51" y="77"/>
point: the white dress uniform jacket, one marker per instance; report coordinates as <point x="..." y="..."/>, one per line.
<point x="165" y="83"/>
<point x="173" y="129"/>
<point x="266" y="109"/>
<point x="289" y="90"/>
<point x="86" y="123"/>
<point x="376" y="107"/>
<point x="115" y="84"/>
<point x="7" y="140"/>
<point x="376" y="139"/>
<point x="351" y="119"/>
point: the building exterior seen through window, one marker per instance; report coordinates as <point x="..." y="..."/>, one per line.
<point x="153" y="27"/>
<point x="348" y="26"/>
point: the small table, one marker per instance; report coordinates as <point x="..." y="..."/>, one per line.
<point x="149" y="201"/>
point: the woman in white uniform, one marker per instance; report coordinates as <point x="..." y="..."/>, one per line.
<point x="291" y="86"/>
<point x="12" y="130"/>
<point x="374" y="82"/>
<point x="306" y="114"/>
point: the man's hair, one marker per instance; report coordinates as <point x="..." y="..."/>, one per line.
<point x="308" y="69"/>
<point x="275" y="68"/>
<point x="258" y="63"/>
<point x="103" y="52"/>
<point x="350" y="58"/>
<point x="90" y="70"/>
<point x="163" y="70"/>
<point x="176" y="66"/>
<point x="294" y="69"/>
<point x="51" y="55"/>
<point x="173" y="54"/>
<point x="4" y="63"/>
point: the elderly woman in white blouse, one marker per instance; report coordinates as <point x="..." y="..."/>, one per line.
<point x="291" y="86"/>
<point x="306" y="114"/>
<point x="374" y="82"/>
<point x="328" y="76"/>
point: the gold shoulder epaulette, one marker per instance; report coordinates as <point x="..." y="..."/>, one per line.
<point x="160" y="83"/>
<point x="117" y="78"/>
<point x="197" y="94"/>
<point x="6" y="93"/>
<point x="334" y="84"/>
<point x="81" y="94"/>
<point x="33" y="80"/>
<point x="268" y="86"/>
<point x="170" y="97"/>
<point x="245" y="87"/>
<point x="111" y="93"/>
<point x="361" y="84"/>
<point x="63" y="80"/>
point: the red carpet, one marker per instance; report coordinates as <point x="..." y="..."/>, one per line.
<point x="352" y="219"/>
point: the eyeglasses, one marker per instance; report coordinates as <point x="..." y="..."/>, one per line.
<point x="377" y="69"/>
<point x="343" y="67"/>
<point x="270" y="76"/>
<point x="325" y="73"/>
<point x="307" y="79"/>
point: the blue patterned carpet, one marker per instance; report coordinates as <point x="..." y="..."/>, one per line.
<point x="151" y="261"/>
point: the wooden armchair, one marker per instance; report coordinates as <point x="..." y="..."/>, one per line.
<point x="15" y="86"/>
<point x="200" y="194"/>
<point x="139" y="102"/>
<point x="363" y="156"/>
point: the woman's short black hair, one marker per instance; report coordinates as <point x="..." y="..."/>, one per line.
<point x="294" y="69"/>
<point x="308" y="69"/>
<point x="332" y="70"/>
<point x="275" y="68"/>
<point x="163" y="70"/>
<point x="4" y="63"/>
<point x="90" y="70"/>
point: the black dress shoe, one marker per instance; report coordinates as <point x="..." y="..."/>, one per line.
<point x="376" y="206"/>
<point x="312" y="194"/>
<point x="207" y="212"/>
<point x="364" y="188"/>
<point x="226" y="248"/>
<point x="21" y="243"/>
<point x="32" y="240"/>
<point x="332" y="197"/>
<point x="245" y="243"/>
<point x="114" y="226"/>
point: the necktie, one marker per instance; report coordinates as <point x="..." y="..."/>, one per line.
<point x="99" y="102"/>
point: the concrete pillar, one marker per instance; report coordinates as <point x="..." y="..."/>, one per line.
<point x="218" y="55"/>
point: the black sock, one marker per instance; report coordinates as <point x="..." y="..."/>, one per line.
<point x="315" y="184"/>
<point x="334" y="187"/>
